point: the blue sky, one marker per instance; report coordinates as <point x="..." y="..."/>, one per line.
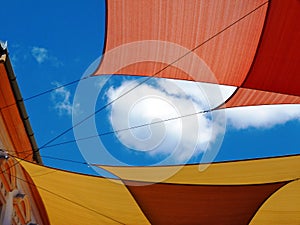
<point x="54" y="42"/>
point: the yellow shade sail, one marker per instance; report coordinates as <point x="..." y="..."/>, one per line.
<point x="259" y="191"/>
<point x="71" y="198"/>
<point x="257" y="171"/>
<point x="283" y="207"/>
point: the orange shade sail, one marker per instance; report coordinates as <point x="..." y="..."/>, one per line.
<point x="252" y="45"/>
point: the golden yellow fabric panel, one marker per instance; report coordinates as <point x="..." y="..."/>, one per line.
<point x="255" y="171"/>
<point x="283" y="207"/>
<point x="74" y="199"/>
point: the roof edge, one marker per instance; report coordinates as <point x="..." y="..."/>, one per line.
<point x="4" y="58"/>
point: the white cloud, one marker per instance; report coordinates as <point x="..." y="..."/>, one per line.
<point x="61" y="99"/>
<point x="40" y="54"/>
<point x="262" y="117"/>
<point x="180" y="139"/>
<point x="166" y="99"/>
<point x="211" y="95"/>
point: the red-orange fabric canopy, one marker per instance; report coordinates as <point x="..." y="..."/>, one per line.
<point x="252" y="45"/>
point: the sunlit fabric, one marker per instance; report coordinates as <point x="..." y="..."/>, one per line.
<point x="252" y="45"/>
<point x="283" y="207"/>
<point x="190" y="24"/>
<point x="256" y="171"/>
<point x="70" y="198"/>
<point x="259" y="190"/>
<point x="234" y="192"/>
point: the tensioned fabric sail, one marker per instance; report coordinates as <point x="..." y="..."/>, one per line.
<point x="231" y="193"/>
<point x="248" y="44"/>
<point x="263" y="191"/>
<point x="252" y="45"/>
<point x="256" y="171"/>
<point x="71" y="198"/>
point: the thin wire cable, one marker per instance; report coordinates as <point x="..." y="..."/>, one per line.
<point x="150" y="77"/>
<point x="49" y="90"/>
<point x="78" y="80"/>
<point x="67" y="160"/>
<point x="56" y="158"/>
<point x="154" y="75"/>
<point x="128" y="128"/>
<point x="122" y="130"/>
<point x="58" y="87"/>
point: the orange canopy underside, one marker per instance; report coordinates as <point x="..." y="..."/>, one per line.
<point x="252" y="45"/>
